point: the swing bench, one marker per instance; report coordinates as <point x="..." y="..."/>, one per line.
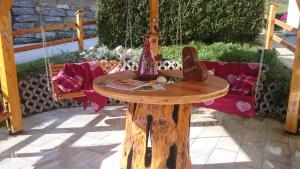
<point x="54" y="69"/>
<point x="236" y="101"/>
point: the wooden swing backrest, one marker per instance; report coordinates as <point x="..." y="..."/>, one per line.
<point x="56" y="68"/>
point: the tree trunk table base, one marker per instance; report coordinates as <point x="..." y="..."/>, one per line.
<point x="157" y="137"/>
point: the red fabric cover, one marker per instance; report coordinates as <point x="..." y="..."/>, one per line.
<point x="243" y="85"/>
<point x="85" y="73"/>
<point x="66" y="83"/>
<point x="232" y="103"/>
<point x="1" y="110"/>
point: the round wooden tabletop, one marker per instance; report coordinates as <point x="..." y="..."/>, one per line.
<point x="184" y="92"/>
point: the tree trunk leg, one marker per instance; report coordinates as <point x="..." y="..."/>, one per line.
<point x="157" y="137"/>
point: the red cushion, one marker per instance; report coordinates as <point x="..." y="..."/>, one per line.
<point x="66" y="83"/>
<point x="1" y="110"/>
<point x="95" y="69"/>
<point x="232" y="104"/>
<point x="243" y="85"/>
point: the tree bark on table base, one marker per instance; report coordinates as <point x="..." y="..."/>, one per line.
<point x="157" y="137"/>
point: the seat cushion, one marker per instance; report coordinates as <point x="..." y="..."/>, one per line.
<point x="232" y="104"/>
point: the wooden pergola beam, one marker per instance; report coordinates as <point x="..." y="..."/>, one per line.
<point x="293" y="112"/>
<point x="8" y="75"/>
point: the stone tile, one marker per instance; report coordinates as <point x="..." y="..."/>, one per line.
<point x="254" y="138"/>
<point x="250" y="156"/>
<point x="277" y="151"/>
<point x="110" y="160"/>
<point x="72" y="138"/>
<point x="198" y="159"/>
<point x="275" y="165"/>
<point x="214" y="131"/>
<point x="218" y="166"/>
<point x="195" y="132"/>
<point x="81" y="159"/>
<point x="231" y="143"/>
<point x="294" y="142"/>
<point x="12" y="143"/>
<point x="78" y="121"/>
<point x="256" y="125"/>
<point x="18" y="162"/>
<point x="204" y="146"/>
<point x="220" y="156"/>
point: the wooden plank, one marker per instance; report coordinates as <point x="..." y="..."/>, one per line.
<point x="40" y="45"/>
<point x="79" y="22"/>
<point x="179" y="93"/>
<point x="90" y="22"/>
<point x="4" y="117"/>
<point x="50" y="43"/>
<point x="68" y="25"/>
<point x="284" y="43"/>
<point x="283" y="25"/>
<point x="153" y="26"/>
<point x="286" y="26"/>
<point x="292" y="121"/>
<point x="270" y="29"/>
<point x="8" y="74"/>
<point x="5" y="6"/>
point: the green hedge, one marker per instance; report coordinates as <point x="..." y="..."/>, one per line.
<point x="208" y="21"/>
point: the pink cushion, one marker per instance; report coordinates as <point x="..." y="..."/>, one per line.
<point x="1" y="110"/>
<point x="243" y="85"/>
<point x="66" y="83"/>
<point x="232" y="104"/>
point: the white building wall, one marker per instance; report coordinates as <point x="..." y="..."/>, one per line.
<point x="293" y="14"/>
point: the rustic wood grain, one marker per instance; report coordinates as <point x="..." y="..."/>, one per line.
<point x="292" y="117"/>
<point x="181" y="93"/>
<point x="166" y="127"/>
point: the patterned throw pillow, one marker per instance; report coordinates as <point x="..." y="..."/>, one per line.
<point x="66" y="83"/>
<point x="243" y="85"/>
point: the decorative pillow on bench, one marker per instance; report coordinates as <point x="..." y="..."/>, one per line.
<point x="243" y="85"/>
<point x="66" y="83"/>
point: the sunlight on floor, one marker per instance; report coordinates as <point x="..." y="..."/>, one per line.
<point x="71" y="138"/>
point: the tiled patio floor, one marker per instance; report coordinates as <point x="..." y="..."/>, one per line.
<point x="74" y="139"/>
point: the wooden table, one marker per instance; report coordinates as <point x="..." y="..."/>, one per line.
<point x="158" y="123"/>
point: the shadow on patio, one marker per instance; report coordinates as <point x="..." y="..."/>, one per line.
<point x="72" y="138"/>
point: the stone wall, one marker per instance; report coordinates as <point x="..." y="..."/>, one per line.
<point x="25" y="15"/>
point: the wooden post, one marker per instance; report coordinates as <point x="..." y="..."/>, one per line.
<point x="293" y="111"/>
<point x="8" y="75"/>
<point x="153" y="26"/>
<point x="79" y="22"/>
<point x="271" y="22"/>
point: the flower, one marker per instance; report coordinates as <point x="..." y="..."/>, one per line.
<point x="120" y="50"/>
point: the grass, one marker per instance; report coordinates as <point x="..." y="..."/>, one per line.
<point x="32" y="69"/>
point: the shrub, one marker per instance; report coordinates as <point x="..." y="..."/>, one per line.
<point x="32" y="69"/>
<point x="208" y="21"/>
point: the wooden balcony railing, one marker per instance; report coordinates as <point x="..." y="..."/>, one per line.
<point x="78" y="25"/>
<point x="270" y="36"/>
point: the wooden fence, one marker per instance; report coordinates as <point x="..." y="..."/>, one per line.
<point x="78" y="25"/>
<point x="272" y="21"/>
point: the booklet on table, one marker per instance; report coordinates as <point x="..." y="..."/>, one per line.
<point x="134" y="85"/>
